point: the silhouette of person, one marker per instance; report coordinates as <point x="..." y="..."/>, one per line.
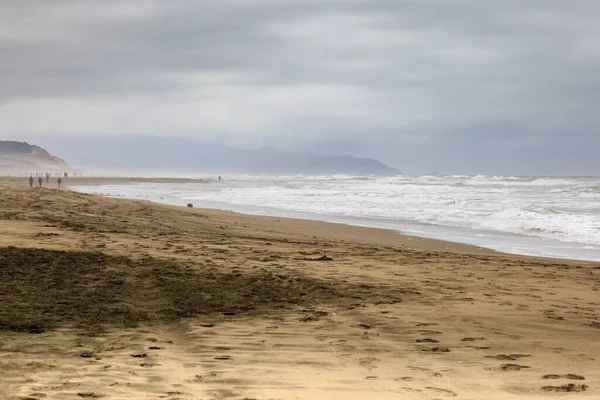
<point x="47" y="177"/>
<point x="219" y="178"/>
<point x="40" y="181"/>
<point x="31" y="181"/>
<point x="59" y="181"/>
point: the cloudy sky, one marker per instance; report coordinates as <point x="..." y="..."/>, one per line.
<point x="461" y="86"/>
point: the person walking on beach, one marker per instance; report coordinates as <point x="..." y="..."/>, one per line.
<point x="59" y="181"/>
<point x="31" y="181"/>
<point x="47" y="177"/>
<point x="40" y="181"/>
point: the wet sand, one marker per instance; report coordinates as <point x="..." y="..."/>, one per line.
<point x="126" y="299"/>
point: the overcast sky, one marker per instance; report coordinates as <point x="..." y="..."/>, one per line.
<point x="460" y="86"/>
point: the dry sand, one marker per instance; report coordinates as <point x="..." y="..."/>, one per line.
<point x="126" y="299"/>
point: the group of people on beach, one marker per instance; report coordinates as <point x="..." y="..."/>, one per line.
<point x="41" y="180"/>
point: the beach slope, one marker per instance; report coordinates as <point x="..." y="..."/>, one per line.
<point x="124" y="299"/>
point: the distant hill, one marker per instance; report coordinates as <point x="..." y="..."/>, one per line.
<point x="125" y="154"/>
<point x="22" y="157"/>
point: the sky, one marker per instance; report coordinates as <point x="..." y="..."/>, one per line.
<point x="461" y="86"/>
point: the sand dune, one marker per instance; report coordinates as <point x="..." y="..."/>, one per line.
<point x="122" y="299"/>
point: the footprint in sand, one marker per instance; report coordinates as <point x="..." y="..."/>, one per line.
<point x="573" y="377"/>
<point x="203" y="377"/>
<point x="436" y="350"/>
<point x="428" y="332"/>
<point x="90" y="395"/>
<point x="502" y="357"/>
<point x="513" y="367"/>
<point x="427" y="340"/>
<point x="421" y="369"/>
<point x="368" y="362"/>
<point x="509" y="357"/>
<point x="33" y="396"/>
<point x="149" y="365"/>
<point x="442" y="391"/>
<point x="367" y="335"/>
<point x="471" y="339"/>
<point x="408" y="389"/>
<point x="119" y="384"/>
<point x="571" y="387"/>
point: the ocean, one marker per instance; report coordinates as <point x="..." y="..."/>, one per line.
<point x="541" y="216"/>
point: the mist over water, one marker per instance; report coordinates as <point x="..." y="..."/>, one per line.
<point x="545" y="216"/>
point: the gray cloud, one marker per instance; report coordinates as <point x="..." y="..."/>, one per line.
<point x="415" y="74"/>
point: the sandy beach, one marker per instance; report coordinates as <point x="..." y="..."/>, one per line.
<point x="122" y="299"/>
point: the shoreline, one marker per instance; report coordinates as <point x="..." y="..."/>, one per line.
<point x="500" y="243"/>
<point x="332" y="230"/>
<point x="397" y="236"/>
<point x="347" y="230"/>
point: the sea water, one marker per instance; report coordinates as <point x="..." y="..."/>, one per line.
<point x="542" y="216"/>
